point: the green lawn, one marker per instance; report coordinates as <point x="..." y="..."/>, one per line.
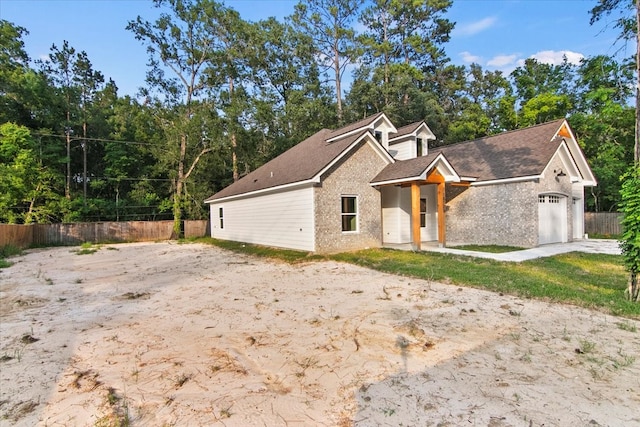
<point x="594" y="281"/>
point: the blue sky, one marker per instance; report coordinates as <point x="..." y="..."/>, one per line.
<point x="498" y="34"/>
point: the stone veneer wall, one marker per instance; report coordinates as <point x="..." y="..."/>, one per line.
<point x="350" y="177"/>
<point x="503" y="214"/>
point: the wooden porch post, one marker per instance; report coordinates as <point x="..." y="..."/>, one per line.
<point x="415" y="216"/>
<point x="441" y="219"/>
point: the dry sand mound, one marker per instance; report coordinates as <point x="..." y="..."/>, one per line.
<point x="190" y="335"/>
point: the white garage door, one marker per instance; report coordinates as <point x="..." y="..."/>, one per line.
<point x="552" y="215"/>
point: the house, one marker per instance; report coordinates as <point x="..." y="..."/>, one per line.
<point x="369" y="184"/>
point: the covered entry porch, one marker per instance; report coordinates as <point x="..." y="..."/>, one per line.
<point x="413" y="207"/>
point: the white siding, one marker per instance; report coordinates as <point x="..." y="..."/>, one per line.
<point x="390" y="214"/>
<point x="396" y="215"/>
<point x="278" y="219"/>
<point x="404" y="150"/>
<point x="577" y="192"/>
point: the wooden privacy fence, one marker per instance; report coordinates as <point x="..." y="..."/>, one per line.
<point x="96" y="232"/>
<point x="603" y="223"/>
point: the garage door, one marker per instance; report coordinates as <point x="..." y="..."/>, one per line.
<point x="552" y="215"/>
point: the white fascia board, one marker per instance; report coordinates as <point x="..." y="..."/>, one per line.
<point x="430" y="135"/>
<point x="567" y="160"/>
<point x="588" y="178"/>
<point x="370" y="140"/>
<point x="371" y="126"/>
<point x="449" y="171"/>
<point x="451" y="174"/>
<point x="284" y="187"/>
<point x="395" y="181"/>
<point x="506" y="181"/>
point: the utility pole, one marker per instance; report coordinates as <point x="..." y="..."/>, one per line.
<point x="67" y="189"/>
<point x="84" y="172"/>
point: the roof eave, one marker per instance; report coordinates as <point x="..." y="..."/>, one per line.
<point x="307" y="182"/>
<point x="506" y="180"/>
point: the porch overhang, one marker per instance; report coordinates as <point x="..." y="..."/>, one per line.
<point x="439" y="164"/>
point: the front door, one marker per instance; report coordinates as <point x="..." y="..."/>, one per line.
<point x="428" y="213"/>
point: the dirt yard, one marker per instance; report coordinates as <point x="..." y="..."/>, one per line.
<point x="163" y="334"/>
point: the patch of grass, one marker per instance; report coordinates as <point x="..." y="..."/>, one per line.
<point x="287" y="255"/>
<point x="87" y="248"/>
<point x="604" y="236"/>
<point x="494" y="249"/>
<point x="595" y="281"/>
<point x="626" y="326"/>
<point x="7" y="251"/>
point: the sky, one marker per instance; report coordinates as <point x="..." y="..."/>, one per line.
<point x="497" y="34"/>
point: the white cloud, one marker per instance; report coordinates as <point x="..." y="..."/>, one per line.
<point x="500" y="61"/>
<point x="555" y="57"/>
<point x="469" y="58"/>
<point x="476" y="27"/>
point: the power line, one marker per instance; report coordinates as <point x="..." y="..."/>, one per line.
<point x="80" y="138"/>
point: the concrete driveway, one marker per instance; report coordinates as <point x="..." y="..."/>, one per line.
<point x="598" y="246"/>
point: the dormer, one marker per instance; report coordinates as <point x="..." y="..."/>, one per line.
<point x="379" y="125"/>
<point x="411" y="141"/>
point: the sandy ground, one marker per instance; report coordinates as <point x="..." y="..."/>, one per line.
<point x="161" y="334"/>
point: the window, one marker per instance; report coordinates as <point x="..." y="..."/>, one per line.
<point x="541" y="199"/>
<point x="349" y="213"/>
<point x="221" y="216"/>
<point x="418" y="147"/>
<point x="378" y="135"/>
<point x="423" y="212"/>
<point x="554" y="199"/>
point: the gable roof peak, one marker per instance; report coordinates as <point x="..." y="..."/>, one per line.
<point x="366" y="123"/>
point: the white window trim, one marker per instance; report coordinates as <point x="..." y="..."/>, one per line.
<point x="357" y="214"/>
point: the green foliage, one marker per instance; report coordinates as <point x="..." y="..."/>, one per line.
<point x="7" y="251"/>
<point x="593" y="281"/>
<point x="20" y="174"/>
<point x="630" y="239"/>
<point x="588" y="280"/>
<point x="242" y="93"/>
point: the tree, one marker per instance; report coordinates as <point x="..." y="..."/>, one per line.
<point x="290" y="103"/>
<point x="23" y="180"/>
<point x="59" y="68"/>
<point x="328" y="22"/>
<point x="186" y="41"/>
<point x="403" y="50"/>
<point x="88" y="82"/>
<point x="628" y="23"/>
<point x="630" y="239"/>
<point x="603" y="123"/>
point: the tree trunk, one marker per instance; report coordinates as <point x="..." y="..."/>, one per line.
<point x="634" y="290"/>
<point x="234" y="141"/>
<point x="67" y="187"/>
<point x="636" y="148"/>
<point x="84" y="163"/>
<point x="177" y="198"/>
<point x="336" y="67"/>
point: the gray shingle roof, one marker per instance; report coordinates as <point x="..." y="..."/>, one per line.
<point x="406" y="130"/>
<point x="405" y="169"/>
<point x="353" y="126"/>
<point x="300" y="163"/>
<point x="518" y="153"/>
